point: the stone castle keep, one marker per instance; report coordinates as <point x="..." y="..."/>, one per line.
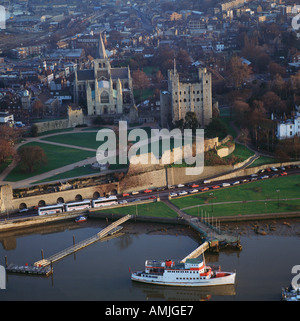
<point x="184" y="95"/>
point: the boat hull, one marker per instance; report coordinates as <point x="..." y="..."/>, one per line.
<point x="229" y="278"/>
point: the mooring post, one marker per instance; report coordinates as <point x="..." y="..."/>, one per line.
<point x="73" y="240"/>
<point x="42" y="252"/>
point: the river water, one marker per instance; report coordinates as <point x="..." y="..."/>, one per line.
<point x="101" y="271"/>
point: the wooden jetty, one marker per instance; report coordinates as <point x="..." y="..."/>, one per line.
<point x="29" y="269"/>
<point x="109" y="230"/>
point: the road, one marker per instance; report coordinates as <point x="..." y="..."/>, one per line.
<point x="164" y="192"/>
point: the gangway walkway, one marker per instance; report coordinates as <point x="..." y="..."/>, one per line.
<point x="109" y="230"/>
<point x="199" y="250"/>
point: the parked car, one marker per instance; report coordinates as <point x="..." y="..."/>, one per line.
<point x="125" y="194"/>
<point x="134" y="193"/>
<point x="206" y="182"/>
<point x="264" y="177"/>
<point x="225" y="184"/>
<point x="171" y="186"/>
<point x="194" y="185"/>
<point x="23" y="210"/>
<point x="123" y="202"/>
<point x="173" y="194"/>
<point x="152" y="197"/>
<point x="274" y="169"/>
<point x="180" y="185"/>
<point x="235" y="183"/>
<point x="216" y="186"/>
<point x="148" y="190"/>
<point x="182" y="193"/>
<point x="283" y="173"/>
<point x="253" y="175"/>
<point x="204" y="189"/>
<point x="193" y="191"/>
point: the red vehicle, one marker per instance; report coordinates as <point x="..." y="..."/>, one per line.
<point x="268" y="169"/>
<point x="147" y="190"/>
<point x="204" y="189"/>
<point x="194" y="185"/>
<point x="283" y="173"/>
<point x="125" y="194"/>
<point x="152" y="197"/>
<point x="216" y="186"/>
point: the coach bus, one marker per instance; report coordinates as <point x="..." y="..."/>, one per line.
<point x="51" y="209"/>
<point x="105" y="201"/>
<point x="75" y="206"/>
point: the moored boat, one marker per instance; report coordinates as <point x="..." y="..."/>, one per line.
<point x="80" y="219"/>
<point x="193" y="272"/>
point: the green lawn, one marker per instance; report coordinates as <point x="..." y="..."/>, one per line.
<point x="246" y="208"/>
<point x="242" y="152"/>
<point x="156" y="209"/>
<point x="57" y="157"/>
<point x="79" y="171"/>
<point x="83" y="139"/>
<point x="264" y="160"/>
<point x="289" y="187"/>
<point x="5" y="164"/>
<point x="54" y="131"/>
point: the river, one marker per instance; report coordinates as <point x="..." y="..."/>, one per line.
<point x="101" y="271"/>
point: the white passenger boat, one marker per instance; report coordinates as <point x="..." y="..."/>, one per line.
<point x="193" y="272"/>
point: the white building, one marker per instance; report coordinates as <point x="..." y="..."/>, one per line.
<point x="6" y="118"/>
<point x="289" y="128"/>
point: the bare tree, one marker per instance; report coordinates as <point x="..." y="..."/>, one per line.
<point x="31" y="157"/>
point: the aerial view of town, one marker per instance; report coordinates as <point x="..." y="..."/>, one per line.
<point x="149" y="151"/>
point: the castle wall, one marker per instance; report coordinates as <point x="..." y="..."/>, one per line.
<point x="9" y="203"/>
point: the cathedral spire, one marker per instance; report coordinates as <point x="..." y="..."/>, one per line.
<point x="101" y="49"/>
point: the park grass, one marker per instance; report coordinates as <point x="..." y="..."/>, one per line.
<point x="54" y="131"/>
<point x="262" y="160"/>
<point x="82" y="139"/>
<point x="5" y="164"/>
<point x="155" y="209"/>
<point x="57" y="157"/>
<point x="241" y="151"/>
<point x="76" y="172"/>
<point x="288" y="187"/>
<point x="240" y="209"/>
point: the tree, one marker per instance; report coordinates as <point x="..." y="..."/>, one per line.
<point x="6" y="150"/>
<point x="31" y="157"/>
<point x="183" y="60"/>
<point x="140" y="81"/>
<point x="273" y="103"/>
<point x="237" y="71"/>
<point x="191" y="121"/>
<point x="275" y="68"/>
<point x="241" y="111"/>
<point x="38" y="108"/>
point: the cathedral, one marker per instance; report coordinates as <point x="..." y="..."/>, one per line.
<point x="104" y="90"/>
